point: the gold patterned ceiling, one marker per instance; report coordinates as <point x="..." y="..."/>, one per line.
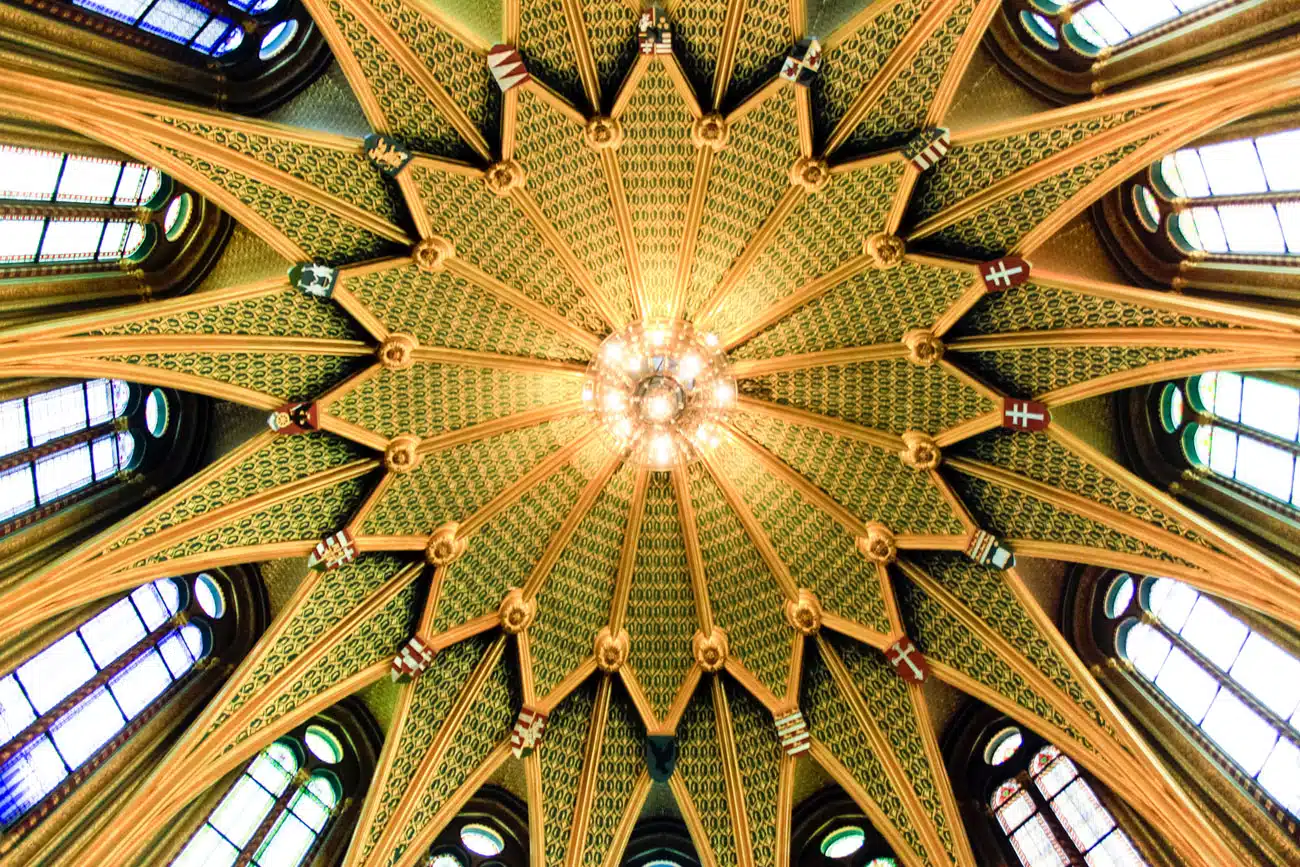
<point x="425" y="364"/>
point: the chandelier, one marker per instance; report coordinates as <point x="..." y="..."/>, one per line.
<point x="660" y="390"/>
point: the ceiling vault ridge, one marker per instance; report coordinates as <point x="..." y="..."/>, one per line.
<point x="804" y="210"/>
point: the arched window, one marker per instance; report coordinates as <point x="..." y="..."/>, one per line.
<point x="1243" y="429"/>
<point x="62" y="445"/>
<point x="77" y="208"/>
<point x="130" y="231"/>
<point x="1026" y="804"/>
<point x="1236" y="688"/>
<point x="1071" y="49"/>
<point x="70" y="706"/>
<point x="490" y="830"/>
<point x="283" y="805"/>
<point x="830" y="830"/>
<point x="1051" y="816"/>
<point x="1231" y="197"/>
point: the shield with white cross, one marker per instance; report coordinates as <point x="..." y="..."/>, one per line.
<point x="907" y="660"/>
<point x="1020" y="414"/>
<point x="1001" y="274"/>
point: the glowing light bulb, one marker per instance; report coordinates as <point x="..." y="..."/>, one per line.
<point x="724" y="393"/>
<point x="661" y="450"/>
<point x="690" y="366"/>
<point x="614" y="401"/>
<point x="613" y="352"/>
<point x="711" y="339"/>
<point x="588" y="391"/>
<point x="657" y="336"/>
<point x="659" y="407"/>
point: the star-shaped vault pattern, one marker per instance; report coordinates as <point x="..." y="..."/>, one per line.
<point x="867" y="454"/>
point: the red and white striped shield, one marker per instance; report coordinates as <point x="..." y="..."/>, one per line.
<point x="1001" y="274"/>
<point x="793" y="732"/>
<point x="928" y="147"/>
<point x="528" y="732"/>
<point x="908" y="661"/>
<point x="411" y="661"/>
<point x="333" y="552"/>
<point x="507" y="67"/>
<point x="1020" y="414"/>
<point x="987" y="550"/>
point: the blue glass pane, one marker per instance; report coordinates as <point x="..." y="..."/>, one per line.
<point x="87" y="727"/>
<point x="29" y="776"/>
<point x="175" y="19"/>
<point x="127" y="11"/>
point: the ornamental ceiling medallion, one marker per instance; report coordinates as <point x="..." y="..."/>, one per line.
<point x="886" y="414"/>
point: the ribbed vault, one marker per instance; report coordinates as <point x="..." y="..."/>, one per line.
<point x="866" y="454"/>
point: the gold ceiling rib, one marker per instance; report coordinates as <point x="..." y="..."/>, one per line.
<point x="691" y="540"/>
<point x="794" y="197"/>
<point x="882" y="823"/>
<point x="1135" y="776"/>
<point x="898" y="776"/>
<point x="803" y="295"/>
<point x="581" y="44"/>
<point x="573" y="854"/>
<point x="1165" y="370"/>
<point x="962" y="55"/>
<point x="745" y="368"/>
<point x="1277" y="593"/>
<point x="899" y="60"/>
<point x="497" y="426"/>
<point x="731" y="776"/>
<point x="562" y="536"/>
<point x="875" y="438"/>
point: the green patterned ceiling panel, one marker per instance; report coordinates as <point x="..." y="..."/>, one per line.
<point x="501" y="555"/>
<point x="699" y="766"/>
<point x="1036" y="370"/>
<point x="820" y="554"/>
<point x="492" y="234"/>
<point x="566" y="179"/>
<point x="280" y="312"/>
<point x="573" y="604"/>
<point x="657" y="162"/>
<point x="747" y="179"/>
<point x="892" y="395"/>
<point x="430" y="399"/>
<point x="825" y="231"/>
<point x="446" y="311"/>
<point x="866" y="480"/>
<point x="870" y="308"/>
<point x="548" y="50"/>
<point x="288" y="377"/>
<point x="746" y="600"/>
<point x="453" y="484"/>
<point x="765" y="37"/>
<point x="661" y="605"/>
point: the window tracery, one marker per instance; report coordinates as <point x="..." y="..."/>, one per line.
<point x="67" y="708"/>
<point x="491" y="830"/>
<point x="830" y="830"/>
<point x="1235" y="687"/>
<point x="1243" y="429"/>
<point x="278" y="810"/>
<point x="61" y="445"/>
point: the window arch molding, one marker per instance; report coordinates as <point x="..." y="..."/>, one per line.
<point x="215" y="51"/>
<point x="1093" y="617"/>
<point x="1067" y="52"/>
<point x="494" y="821"/>
<point x="305" y="804"/>
<point x="1149" y="225"/>
<point x="830" y="830"/>
<point x="85" y="226"/>
<point x="977" y="770"/>
<point x="64" y="817"/>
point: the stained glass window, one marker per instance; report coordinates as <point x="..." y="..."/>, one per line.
<point x="35" y="176"/>
<point x="1245" y="429"/>
<point x="29" y="476"/>
<point x="184" y="21"/>
<point x="1239" y="688"/>
<point x="1089" y="829"/>
<point x="1247" y="193"/>
<point x="273" y="815"/>
<point x="1112" y="22"/>
<point x="60" y="735"/>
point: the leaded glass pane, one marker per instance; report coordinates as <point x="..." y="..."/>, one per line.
<point x="1033" y="844"/>
<point x="1270" y="407"/>
<point x="1269" y="673"/>
<point x="1215" y="633"/>
<point x="142" y="682"/>
<point x="87" y="727"/>
<point x="287" y="844"/>
<point x="112" y="631"/>
<point x="1115" y="851"/>
<point x="27" y="174"/>
<point x="20" y="238"/>
<point x="63" y="472"/>
<point x="89" y="180"/>
<point x="71" y="240"/>
<point x="1240" y="732"/>
<point x="17" y="491"/>
<point x="1189" y="685"/>
<point x="30" y="775"/>
<point x="54" y="413"/>
<point x="1057" y="775"/>
<point x="207" y="848"/>
<point x="242" y="810"/>
<point x="13" y="426"/>
<point x="1281" y="776"/>
<point x="1015" y="811"/>
<point x="56" y="671"/>
<point x="1082" y="815"/>
<point x="16" y="712"/>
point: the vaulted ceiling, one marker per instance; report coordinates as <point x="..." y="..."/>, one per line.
<point x="869" y="451"/>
